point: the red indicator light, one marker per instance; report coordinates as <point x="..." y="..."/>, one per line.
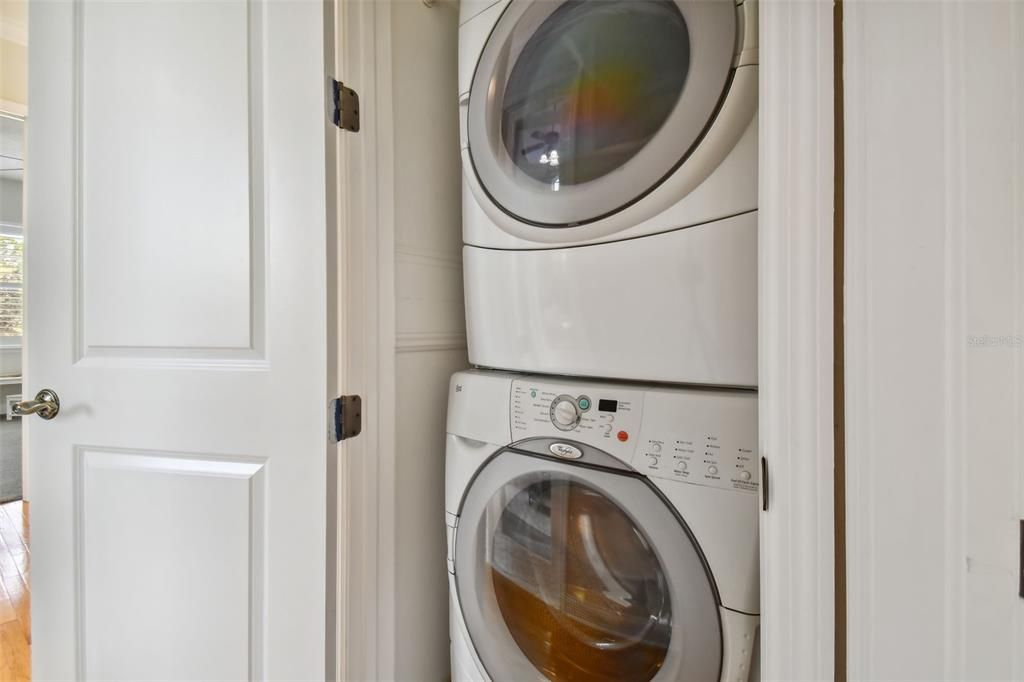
<point x="623" y="436"/>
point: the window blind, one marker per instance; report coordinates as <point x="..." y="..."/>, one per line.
<point x="11" y="281"/>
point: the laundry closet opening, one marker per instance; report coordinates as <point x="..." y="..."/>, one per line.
<point x="567" y="381"/>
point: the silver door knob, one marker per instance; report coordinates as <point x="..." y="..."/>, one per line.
<point x="46" y="405"/>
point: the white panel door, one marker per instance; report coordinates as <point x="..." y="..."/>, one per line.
<point x="176" y="303"/>
<point x="935" y="339"/>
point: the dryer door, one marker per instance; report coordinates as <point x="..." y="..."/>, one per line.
<point x="569" y="572"/>
<point x="580" y="108"/>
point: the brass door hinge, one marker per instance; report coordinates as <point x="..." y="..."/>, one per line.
<point x="346" y="417"/>
<point x="346" y="107"/>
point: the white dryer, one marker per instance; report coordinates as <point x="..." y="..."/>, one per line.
<point x="609" y="154"/>
<point x="599" y="531"/>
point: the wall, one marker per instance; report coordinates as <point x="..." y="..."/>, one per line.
<point x="935" y="338"/>
<point x="430" y="320"/>
<point x="13" y="55"/>
<point x="10" y="201"/>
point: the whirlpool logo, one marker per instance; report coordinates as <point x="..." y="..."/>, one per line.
<point x="565" y="451"/>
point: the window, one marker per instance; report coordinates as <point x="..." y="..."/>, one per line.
<point x="11" y="234"/>
<point x="11" y="282"/>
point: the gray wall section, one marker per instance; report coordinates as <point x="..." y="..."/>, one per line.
<point x="10" y="201"/>
<point x="429" y="303"/>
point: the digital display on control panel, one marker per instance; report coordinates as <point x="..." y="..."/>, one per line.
<point x="607" y="405"/>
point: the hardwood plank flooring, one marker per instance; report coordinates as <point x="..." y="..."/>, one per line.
<point x="15" y="598"/>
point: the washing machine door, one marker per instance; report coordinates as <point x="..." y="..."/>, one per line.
<point x="578" y="109"/>
<point x="573" y="572"/>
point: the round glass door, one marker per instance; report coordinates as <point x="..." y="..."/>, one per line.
<point x="569" y="99"/>
<point x="592" y="87"/>
<point x="578" y="584"/>
<point x="558" y="579"/>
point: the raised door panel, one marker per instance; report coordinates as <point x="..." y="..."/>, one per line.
<point x="171" y="550"/>
<point x="168" y="178"/>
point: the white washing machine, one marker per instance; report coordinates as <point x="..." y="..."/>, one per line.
<point x="609" y="154"/>
<point x="601" y="531"/>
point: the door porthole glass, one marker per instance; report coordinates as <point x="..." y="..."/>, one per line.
<point x="569" y="572"/>
<point x="579" y="109"/>
<point x="578" y="583"/>
<point x="592" y="86"/>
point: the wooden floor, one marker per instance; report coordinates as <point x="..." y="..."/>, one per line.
<point x="15" y="632"/>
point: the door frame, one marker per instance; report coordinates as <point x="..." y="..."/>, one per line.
<point x="364" y="623"/>
<point x="796" y="345"/>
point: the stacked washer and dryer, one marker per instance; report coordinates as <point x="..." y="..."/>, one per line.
<point x="602" y="468"/>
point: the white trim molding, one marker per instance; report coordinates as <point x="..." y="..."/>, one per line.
<point x="12" y="108"/>
<point x="796" y="340"/>
<point x="420" y="342"/>
<point x="365" y="535"/>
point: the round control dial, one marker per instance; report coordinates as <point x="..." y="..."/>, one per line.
<point x="564" y="413"/>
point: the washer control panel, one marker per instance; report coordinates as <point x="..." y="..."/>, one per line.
<point x="703" y="437"/>
<point x="700" y="436"/>
<point x="607" y="417"/>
